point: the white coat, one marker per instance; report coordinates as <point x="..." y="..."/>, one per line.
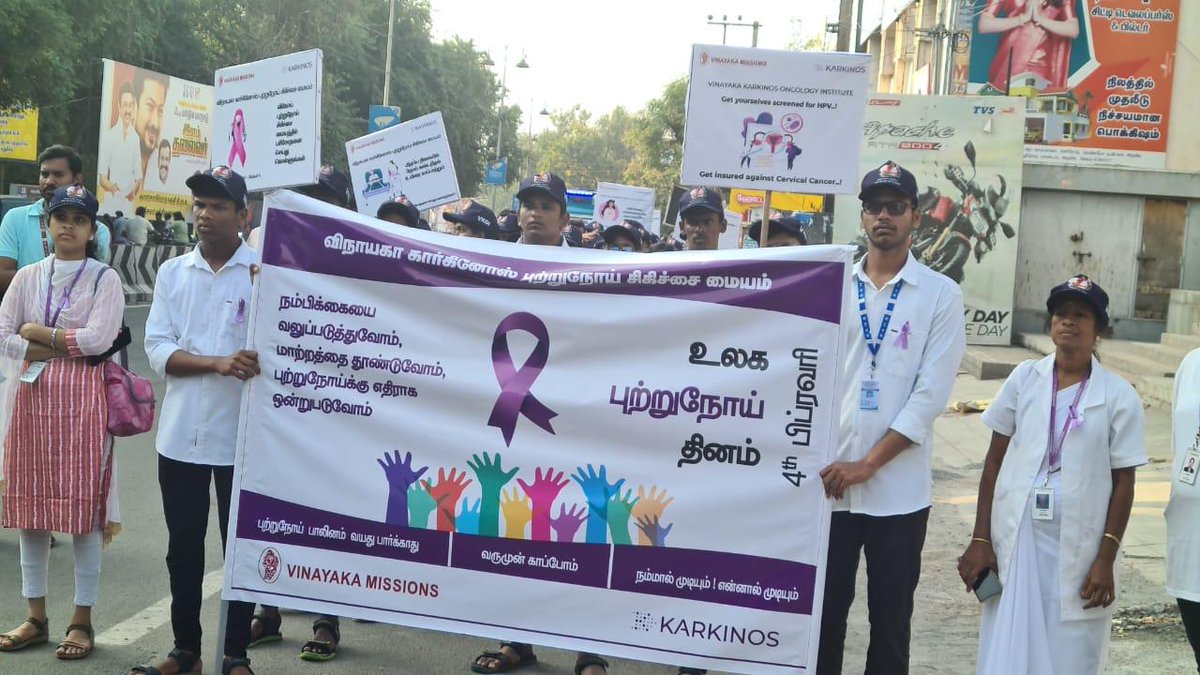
<point x="1183" y="511"/>
<point x="1109" y="436"/>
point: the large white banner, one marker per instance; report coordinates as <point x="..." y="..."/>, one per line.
<point x="445" y="424"/>
<point x="268" y="120"/>
<point x="155" y="132"/>
<point x="774" y="120"/>
<point x="615" y="203"/>
<point x="411" y="159"/>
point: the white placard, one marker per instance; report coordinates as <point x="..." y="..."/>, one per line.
<point x="774" y="120"/>
<point x="411" y="159"/>
<point x="616" y="203"/>
<point x="732" y="235"/>
<point x="267" y="122"/>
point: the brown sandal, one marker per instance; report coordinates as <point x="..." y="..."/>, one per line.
<point x="504" y="662"/>
<point x="86" y="649"/>
<point x="41" y="637"/>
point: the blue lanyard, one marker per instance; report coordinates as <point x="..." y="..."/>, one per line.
<point x="874" y="346"/>
<point x="66" y="295"/>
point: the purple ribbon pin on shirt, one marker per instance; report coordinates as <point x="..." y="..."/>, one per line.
<point x="902" y="339"/>
<point x="515" y="398"/>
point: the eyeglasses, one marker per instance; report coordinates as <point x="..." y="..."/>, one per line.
<point x="628" y="248"/>
<point x="893" y="208"/>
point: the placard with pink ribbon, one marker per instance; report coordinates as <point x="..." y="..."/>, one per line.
<point x="582" y="449"/>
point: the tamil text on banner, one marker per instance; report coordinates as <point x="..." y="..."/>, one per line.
<point x="19" y="134"/>
<point x="155" y="132"/>
<point x="966" y="154"/>
<point x="1096" y="76"/>
<point x="774" y="120"/>
<point x="268" y="120"/>
<point x="433" y="446"/>
<point x="615" y="203"/>
<point x="411" y="159"/>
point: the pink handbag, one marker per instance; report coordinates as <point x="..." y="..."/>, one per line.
<point x="130" y="401"/>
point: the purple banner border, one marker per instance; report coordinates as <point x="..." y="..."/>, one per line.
<point x="812" y="289"/>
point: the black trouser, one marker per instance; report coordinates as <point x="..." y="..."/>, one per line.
<point x="893" y="549"/>
<point x="1190" y="611"/>
<point x="186" y="503"/>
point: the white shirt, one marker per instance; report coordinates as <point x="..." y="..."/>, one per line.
<point x="123" y="166"/>
<point x="197" y="310"/>
<point x="914" y="384"/>
<point x="1183" y="511"/>
<point x="1109" y="436"/>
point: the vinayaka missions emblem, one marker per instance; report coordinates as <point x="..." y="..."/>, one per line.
<point x="269" y="565"/>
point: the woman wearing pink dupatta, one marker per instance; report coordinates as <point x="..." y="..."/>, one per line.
<point x="1037" y="33"/>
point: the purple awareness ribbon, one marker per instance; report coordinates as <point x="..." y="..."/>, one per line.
<point x="902" y="339"/>
<point x="515" y="398"/>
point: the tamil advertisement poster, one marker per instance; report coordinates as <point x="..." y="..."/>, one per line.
<point x="1096" y="76"/>
<point x="268" y="120"/>
<point x="155" y="132"/>
<point x="432" y="449"/>
<point x="966" y="154"/>
<point x="773" y="120"/>
<point x="410" y="159"/>
<point x="615" y="203"/>
<point x="19" y="134"/>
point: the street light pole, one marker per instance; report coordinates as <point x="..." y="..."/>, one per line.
<point x="387" y="65"/>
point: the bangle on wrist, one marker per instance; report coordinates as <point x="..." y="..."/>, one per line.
<point x="54" y="340"/>
<point x="1114" y="538"/>
<point x="981" y="540"/>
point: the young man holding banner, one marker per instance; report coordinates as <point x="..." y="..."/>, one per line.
<point x="899" y="371"/>
<point x="702" y="212"/>
<point x="541" y="217"/>
<point x="196" y="339"/>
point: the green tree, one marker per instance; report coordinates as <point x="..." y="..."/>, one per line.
<point x="656" y="141"/>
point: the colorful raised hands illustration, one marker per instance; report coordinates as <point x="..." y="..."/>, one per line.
<point x="446" y="493"/>
<point x="492" y="478"/>
<point x="649" y="504"/>
<point x="598" y="492"/>
<point x="618" y="516"/>
<point x="400" y="477"/>
<point x="517" y="513"/>
<point x="653" y="530"/>
<point x="542" y="492"/>
<point x="567" y="523"/>
<point x="468" y="518"/>
<point x="420" y="505"/>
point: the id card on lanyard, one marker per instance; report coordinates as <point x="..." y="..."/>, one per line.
<point x="1191" y="462"/>
<point x="868" y="397"/>
<point x="45" y="234"/>
<point x="1043" y="497"/>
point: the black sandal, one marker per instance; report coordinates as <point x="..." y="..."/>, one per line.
<point x="270" y="623"/>
<point x="322" y="650"/>
<point x="586" y="660"/>
<point x="185" y="660"/>
<point x="229" y="664"/>
<point x="504" y="662"/>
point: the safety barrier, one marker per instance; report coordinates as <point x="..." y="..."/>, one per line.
<point x="138" y="267"/>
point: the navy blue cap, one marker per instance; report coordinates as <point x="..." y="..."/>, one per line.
<point x="508" y="224"/>
<point x="548" y="183"/>
<point x="629" y="228"/>
<point x="1079" y="286"/>
<point x="224" y="180"/>
<point x="477" y="217"/>
<point x="405" y="208"/>
<point x="892" y="175"/>
<point x="335" y="181"/>
<point x="702" y="198"/>
<point x="793" y="226"/>
<point x="76" y="196"/>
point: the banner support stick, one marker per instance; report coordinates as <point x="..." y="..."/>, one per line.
<point x="765" y="229"/>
